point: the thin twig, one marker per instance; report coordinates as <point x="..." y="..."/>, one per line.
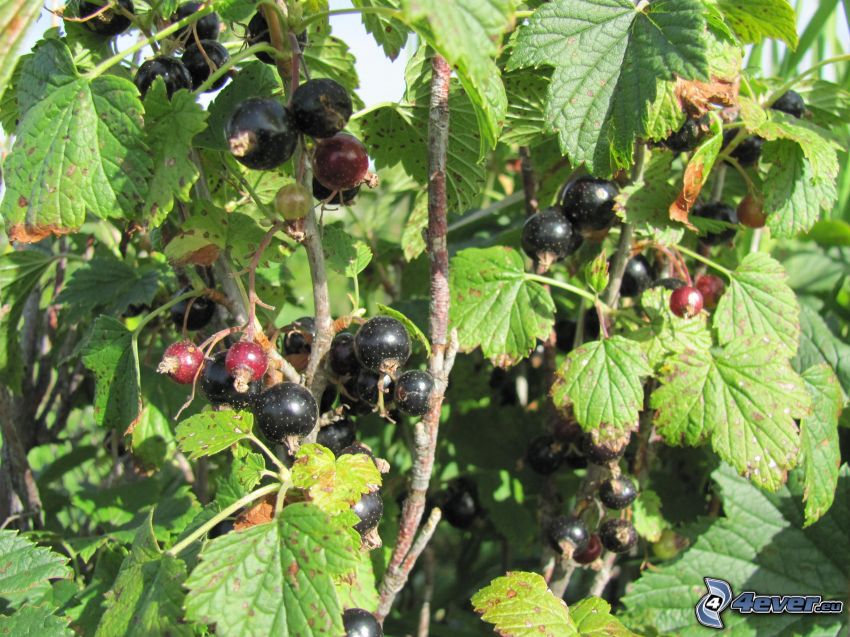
<point x="605" y="575"/>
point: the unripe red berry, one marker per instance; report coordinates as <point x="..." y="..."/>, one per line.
<point x="751" y="212"/>
<point x="340" y="162"/>
<point x="711" y="287"/>
<point x="181" y="361"/>
<point x="686" y="302"/>
<point x="246" y="362"/>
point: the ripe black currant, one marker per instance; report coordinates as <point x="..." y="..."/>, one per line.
<point x="748" y="151"/>
<point x="568" y="535"/>
<point x="298" y="336"/>
<point x="686" y="302"/>
<point x="198" y="66"/>
<point x="342" y="358"/>
<point x="617" y="493"/>
<point x="358" y="448"/>
<point x="413" y="392"/>
<point x="260" y="133"/>
<point x="544" y="455"/>
<point x="196" y="312"/>
<point x="329" y="397"/>
<point x="258" y="32"/>
<point x="337" y="435"/>
<point x="217" y="385"/>
<point x="175" y="75"/>
<point x="592" y="551"/>
<point x="717" y="211"/>
<point x="109" y="22"/>
<point x="361" y="623"/>
<point x="351" y="402"/>
<point x="617" y="535"/>
<point x="342" y="198"/>
<point x="686" y="138"/>
<point x="321" y="107"/>
<point x="603" y="452"/>
<point x="588" y="203"/>
<point x="637" y="277"/>
<point x="207" y="28"/>
<point x="460" y="507"/>
<point x="340" y="162"/>
<point x="246" y="362"/>
<point x="791" y="103"/>
<point x="181" y="361"/>
<point x="547" y="236"/>
<point x="369" y="509"/>
<point x="382" y="344"/>
<point x="286" y="411"/>
<point x="711" y="287"/>
<point x="366" y="386"/>
<point x="222" y="528"/>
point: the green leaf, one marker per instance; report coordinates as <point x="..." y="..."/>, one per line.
<point x="334" y="484"/>
<point x="389" y="33"/>
<point x="593" y="618"/>
<point x="665" y="114"/>
<point x="26" y="569"/>
<point x="745" y="398"/>
<point x="521" y="605"/>
<point x="758" y="302"/>
<point x="328" y="56"/>
<point x="170" y="125"/>
<point x="282" y="570"/>
<point x="201" y="238"/>
<point x="820" y="455"/>
<point x="34" y="621"/>
<point x="412" y="237"/>
<point x="495" y="307"/>
<point x="111" y="354"/>
<point x="819" y="345"/>
<point x="758" y="546"/>
<point x="603" y="380"/>
<point x="829" y="233"/>
<point x="466" y="33"/>
<point x="645" y="203"/>
<point x="525" y="121"/>
<point x="209" y="432"/>
<point x="648" y="520"/>
<point x="235" y="10"/>
<point x="106" y="284"/>
<point x="409" y="325"/>
<point x="608" y="59"/>
<point x="345" y="254"/>
<point x="147" y="596"/>
<point x="79" y="149"/>
<point x="15" y="18"/>
<point x="755" y="20"/>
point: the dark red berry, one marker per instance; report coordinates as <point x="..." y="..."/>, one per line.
<point x="340" y="162"/>
<point x="108" y="22"/>
<point x="751" y="212"/>
<point x="207" y="28"/>
<point x="545" y="455"/>
<point x="460" y="506"/>
<point x="591" y="552"/>
<point x="717" y="211"/>
<point x="181" y="361"/>
<point x="382" y="344"/>
<point x="588" y="203"/>
<point x="321" y="107"/>
<point x="568" y="535"/>
<point x="342" y="198"/>
<point x="748" y="151"/>
<point x="637" y="277"/>
<point x="286" y="412"/>
<point x="369" y="509"/>
<point x="711" y="287"/>
<point x="201" y="67"/>
<point x="196" y="312"/>
<point x="791" y="103"/>
<point x="617" y="493"/>
<point x="360" y="623"/>
<point x="342" y="358"/>
<point x="686" y="302"/>
<point x="617" y="535"/>
<point x="413" y="391"/>
<point x="175" y="75"/>
<point x="548" y="236"/>
<point x="298" y="336"/>
<point x="337" y="435"/>
<point x="217" y="385"/>
<point x="366" y="386"/>
<point x="246" y="362"/>
<point x="603" y="452"/>
<point x="260" y="133"/>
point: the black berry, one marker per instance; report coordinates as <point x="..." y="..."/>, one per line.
<point x="547" y="236"/>
<point x="361" y="623"/>
<point x="358" y="448"/>
<point x="109" y="22"/>
<point x="588" y="203"/>
<point x="413" y="392"/>
<point x="603" y="452"/>
<point x="617" y="493"/>
<point x="175" y="75"/>
<point x="337" y="435"/>
<point x="748" y="151"/>
<point x="298" y="336"/>
<point x="617" y="535"/>
<point x="342" y="198"/>
<point x="545" y="455"/>
<point x="197" y="312"/>
<point x="637" y="277"/>
<point x="717" y="211"/>
<point x="460" y="507"/>
<point x="342" y="358"/>
<point x="260" y="133"/>
<point x="207" y="28"/>
<point x="340" y="162"/>
<point x="369" y="509"/>
<point x="686" y="302"/>
<point x="568" y="535"/>
<point x="217" y="385"/>
<point x="222" y="528"/>
<point x="791" y="103"/>
<point x="366" y="386"/>
<point x="198" y="66"/>
<point x="382" y="344"/>
<point x="592" y="551"/>
<point x="686" y="138"/>
<point x="285" y="411"/>
<point x="258" y="32"/>
<point x="181" y="361"/>
<point x="321" y="107"/>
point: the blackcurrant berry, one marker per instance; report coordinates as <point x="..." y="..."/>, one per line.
<point x="382" y="344"/>
<point x="617" y="535"/>
<point x="711" y="287"/>
<point x="717" y="211"/>
<point x="260" y="133"/>
<point x="591" y="552"/>
<point x="617" y="493"/>
<point x="369" y="509"/>
<point x="637" y="277"/>
<point x="222" y="528"/>
<point x="257" y="33"/>
<point x="366" y="386"/>
<point x="413" y="392"/>
<point x="342" y="198"/>
<point x="197" y="312"/>
<point x="175" y="75"/>
<point x="321" y="107"/>
<point x="460" y="507"/>
<point x="568" y="535"/>
<point x="207" y="28"/>
<point x="200" y="68"/>
<point x="686" y="302"/>
<point x="298" y="336"/>
<point x="246" y="362"/>
<point x="748" y="151"/>
<point x="217" y="385"/>
<point x="547" y="236"/>
<point x="750" y="212"/>
<point x="286" y="411"/>
<point x="181" y="361"/>
<point x="544" y="455"/>
<point x="342" y="358"/>
<point x="791" y="103"/>
<point x="108" y="22"/>
<point x="588" y="203"/>
<point x="351" y="402"/>
<point x="566" y="430"/>
<point x="668" y="283"/>
<point x="565" y="335"/>
<point x="340" y="162"/>
<point x="603" y="452"/>
<point x="337" y="435"/>
<point x="361" y="623"/>
<point x="686" y="138"/>
<point x="292" y="202"/>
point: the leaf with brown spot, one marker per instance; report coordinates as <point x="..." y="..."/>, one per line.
<point x="696" y="98"/>
<point x="696" y="174"/>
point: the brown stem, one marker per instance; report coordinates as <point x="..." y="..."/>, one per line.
<point x="276" y="35"/>
<point x="442" y="358"/>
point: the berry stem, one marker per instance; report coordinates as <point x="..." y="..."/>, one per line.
<point x="705" y="260"/>
<point x="252" y="278"/>
<point x="545" y="280"/>
<point x="284" y="472"/>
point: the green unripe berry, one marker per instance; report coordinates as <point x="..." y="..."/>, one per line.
<point x="293" y="202"/>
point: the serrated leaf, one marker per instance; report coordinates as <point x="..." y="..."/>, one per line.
<point x="74" y="153"/>
<point x="820" y="455"/>
<point x="525" y="121"/>
<point x="758" y="302"/>
<point x="495" y="307"/>
<point x="412" y="239"/>
<point x="334" y="484"/>
<point x="34" y="621"/>
<point x="111" y="355"/>
<point x="521" y="605"/>
<point x="607" y="60"/>
<point x="819" y="345"/>
<point x="26" y="569"/>
<point x="235" y="10"/>
<point x="648" y="520"/>
<point x="15" y="18"/>
<point x="106" y="284"/>
<point x="751" y="548"/>
<point x="755" y="20"/>
<point x="644" y="203"/>
<point x="409" y="325"/>
<point x="209" y="432"/>
<point x="593" y="618"/>
<point x="328" y="56"/>
<point x="391" y="34"/>
<point x="283" y="570"/>
<point x="344" y="253"/>
<point x="357" y="589"/>
<point x="200" y="240"/>
<point x="665" y="115"/>
<point x="603" y="381"/>
<point x="745" y="398"/>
